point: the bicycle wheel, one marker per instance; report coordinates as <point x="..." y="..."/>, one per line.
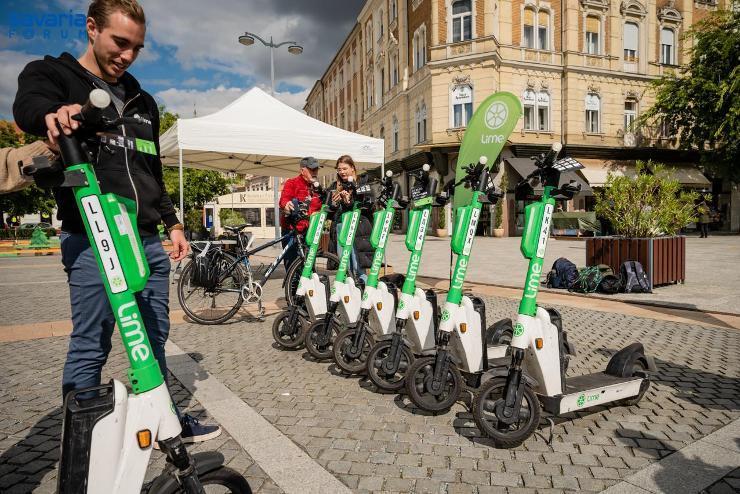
<point x="211" y="306"/>
<point x="326" y="264"/>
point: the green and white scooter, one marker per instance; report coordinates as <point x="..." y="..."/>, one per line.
<point x="352" y="344"/>
<point x="289" y="328"/>
<point x="346" y="296"/>
<point x="506" y="407"/>
<point x="434" y="382"/>
<point x="416" y="312"/>
<point x="107" y="435"/>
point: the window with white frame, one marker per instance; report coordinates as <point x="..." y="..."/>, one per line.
<point x="528" y="29"/>
<point x="382" y="132"/>
<point x="536" y="110"/>
<point x="667" y="46"/>
<point x="420" y="47"/>
<point x="462" y="20"/>
<point x="461" y="100"/>
<point x="630" y="114"/>
<point x="543" y="30"/>
<point x="395" y="134"/>
<point x="593" y="35"/>
<point x="394" y="9"/>
<point x="369" y="93"/>
<point x="423" y="122"/>
<point x="379" y="87"/>
<point x="417" y="123"/>
<point x="369" y="36"/>
<point x="631" y="41"/>
<point x="593" y="113"/>
<point x="380" y="24"/>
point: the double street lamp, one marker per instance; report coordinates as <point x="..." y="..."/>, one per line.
<point x="247" y="39"/>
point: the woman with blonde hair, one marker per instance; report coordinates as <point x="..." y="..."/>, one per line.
<point x="343" y="199"/>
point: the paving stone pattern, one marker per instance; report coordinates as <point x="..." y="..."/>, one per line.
<point x="728" y="485"/>
<point x="31" y="419"/>
<point x="380" y="442"/>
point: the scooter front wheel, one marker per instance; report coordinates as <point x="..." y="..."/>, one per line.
<point x="419" y="381"/>
<point x="376" y="360"/>
<point x="221" y="480"/>
<point x="343" y="351"/>
<point x="319" y="339"/>
<point x="489" y="395"/>
<point x="285" y="336"/>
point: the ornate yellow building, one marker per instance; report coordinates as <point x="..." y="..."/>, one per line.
<point x="413" y="71"/>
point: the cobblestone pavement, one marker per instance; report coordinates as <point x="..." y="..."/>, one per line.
<point x="728" y="485"/>
<point x="31" y="423"/>
<point x="375" y="442"/>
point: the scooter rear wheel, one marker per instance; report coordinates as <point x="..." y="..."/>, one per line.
<point x="285" y="337"/>
<point x="383" y="380"/>
<point x="342" y="344"/>
<point x="318" y="349"/>
<point x="638" y="368"/>
<point x="420" y="376"/>
<point x="502" y="435"/>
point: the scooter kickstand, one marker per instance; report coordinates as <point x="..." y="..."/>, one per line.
<point x="552" y="426"/>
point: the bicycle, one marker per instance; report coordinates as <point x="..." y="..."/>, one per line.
<point x="234" y="280"/>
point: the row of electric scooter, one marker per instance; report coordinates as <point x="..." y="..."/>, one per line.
<point x="400" y="339"/>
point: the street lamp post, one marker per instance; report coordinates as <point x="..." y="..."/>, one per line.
<point x="247" y="39"/>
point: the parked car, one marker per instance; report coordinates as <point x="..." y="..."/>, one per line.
<point x="47" y="227"/>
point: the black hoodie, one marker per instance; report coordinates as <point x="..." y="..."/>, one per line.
<point x="46" y="85"/>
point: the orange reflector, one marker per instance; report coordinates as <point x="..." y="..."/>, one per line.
<point x="538" y="343"/>
<point x="379" y="305"/>
<point x="346" y="299"/>
<point x="310" y="293"/>
<point x="416" y="315"/>
<point x="144" y="438"/>
<point x="463" y="327"/>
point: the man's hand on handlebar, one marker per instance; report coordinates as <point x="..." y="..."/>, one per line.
<point x="288" y="208"/>
<point x="63" y="117"/>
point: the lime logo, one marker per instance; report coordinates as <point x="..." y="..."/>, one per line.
<point x="496" y="115"/>
<point x="445" y="315"/>
<point x="401" y="304"/>
<point x="364" y="296"/>
<point x="116" y="281"/>
<point x="581" y="400"/>
<point x="333" y="290"/>
<point x="518" y="329"/>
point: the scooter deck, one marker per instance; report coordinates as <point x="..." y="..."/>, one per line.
<point x="591" y="390"/>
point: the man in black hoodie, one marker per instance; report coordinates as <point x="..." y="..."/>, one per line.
<point x="50" y="92"/>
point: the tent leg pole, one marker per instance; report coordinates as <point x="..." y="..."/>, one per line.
<point x="182" y="194"/>
<point x="276" y="197"/>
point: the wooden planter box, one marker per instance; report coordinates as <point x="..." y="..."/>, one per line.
<point x="662" y="258"/>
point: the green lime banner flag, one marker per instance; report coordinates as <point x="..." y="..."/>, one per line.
<point x="488" y="130"/>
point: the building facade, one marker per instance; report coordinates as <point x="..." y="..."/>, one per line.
<point x="413" y="71"/>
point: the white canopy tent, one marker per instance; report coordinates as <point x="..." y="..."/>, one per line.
<point x="257" y="134"/>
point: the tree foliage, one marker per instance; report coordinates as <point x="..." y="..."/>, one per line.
<point x="648" y="205"/>
<point x="702" y="100"/>
<point x="199" y="186"/>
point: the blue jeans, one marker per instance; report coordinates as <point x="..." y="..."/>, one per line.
<point x="354" y="263"/>
<point x="92" y="317"/>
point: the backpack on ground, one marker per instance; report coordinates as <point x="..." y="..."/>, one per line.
<point x="588" y="280"/>
<point x="634" y="278"/>
<point x="207" y="268"/>
<point x="610" y="284"/>
<point x="563" y="274"/>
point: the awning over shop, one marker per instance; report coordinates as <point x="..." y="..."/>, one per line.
<point x="597" y="170"/>
<point x="525" y="166"/>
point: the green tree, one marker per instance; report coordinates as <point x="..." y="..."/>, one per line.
<point x="648" y="205"/>
<point x="199" y="186"/>
<point x="701" y="101"/>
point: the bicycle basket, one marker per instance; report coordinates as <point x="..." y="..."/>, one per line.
<point x="207" y="269"/>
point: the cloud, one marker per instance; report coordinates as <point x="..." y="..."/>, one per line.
<point x="12" y="63"/>
<point x="182" y="101"/>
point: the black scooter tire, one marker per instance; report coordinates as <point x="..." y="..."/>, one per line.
<point x="416" y="376"/>
<point x="505" y="438"/>
<point x="320" y="352"/>
<point x="382" y="380"/>
<point x="287" y="342"/>
<point x="345" y="363"/>
<point x="223" y="476"/>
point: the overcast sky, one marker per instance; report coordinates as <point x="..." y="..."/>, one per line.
<point x="192" y="56"/>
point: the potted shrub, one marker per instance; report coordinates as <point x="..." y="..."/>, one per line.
<point x="647" y="212"/>
<point x="442" y="223"/>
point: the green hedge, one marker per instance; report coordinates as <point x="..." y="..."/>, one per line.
<point x="18" y="234"/>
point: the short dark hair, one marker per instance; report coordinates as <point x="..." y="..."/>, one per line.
<point x="101" y="10"/>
